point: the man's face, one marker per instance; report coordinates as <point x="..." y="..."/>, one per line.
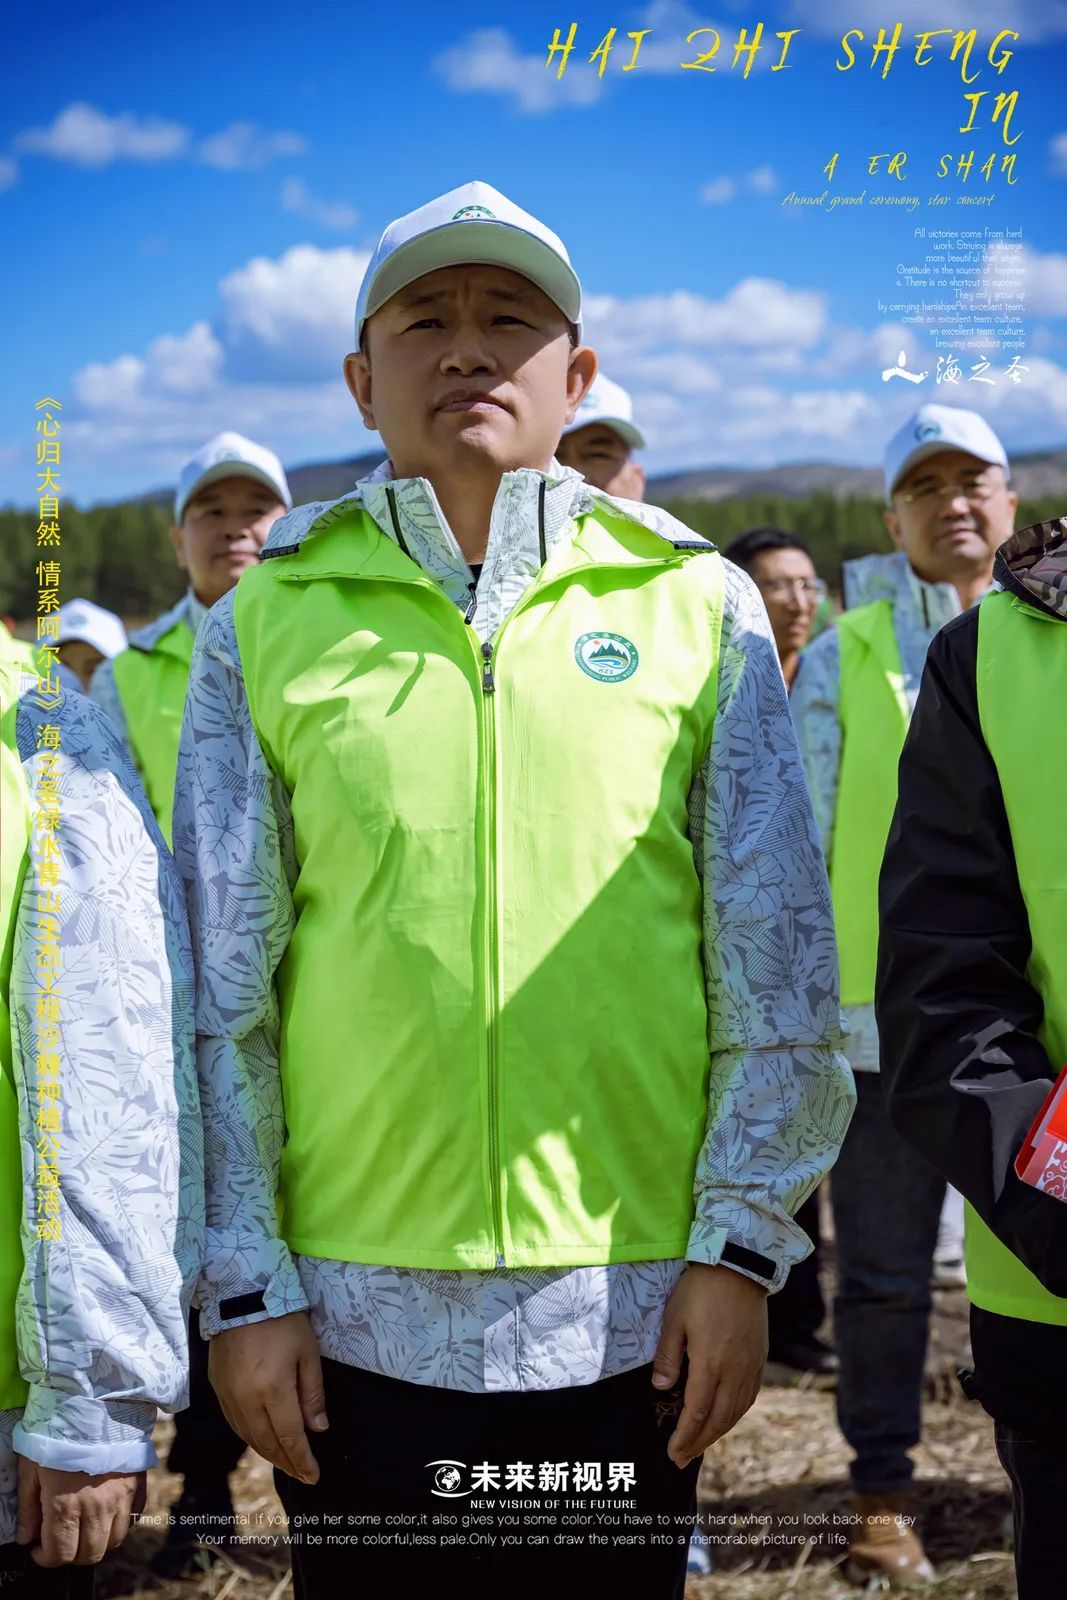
<point x="82" y="658"/>
<point x="785" y="579"/>
<point x="222" y="531"/>
<point x="603" y="458"/>
<point x="949" y="514"/>
<point x="468" y="366"/>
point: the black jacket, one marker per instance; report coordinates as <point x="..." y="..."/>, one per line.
<point x="963" y="1071"/>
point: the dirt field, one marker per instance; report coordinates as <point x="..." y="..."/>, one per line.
<point x="784" y="1463"/>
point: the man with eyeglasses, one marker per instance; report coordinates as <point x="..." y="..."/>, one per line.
<point x="780" y="564"/>
<point x="949" y="506"/>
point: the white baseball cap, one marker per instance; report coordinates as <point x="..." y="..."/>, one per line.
<point x="610" y="404"/>
<point x="936" y="428"/>
<point x="230" y="455"/>
<point x="81" y="619"/>
<point x="474" y="223"/>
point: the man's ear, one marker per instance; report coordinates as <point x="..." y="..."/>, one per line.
<point x="177" y="539"/>
<point x="581" y="371"/>
<point x="1014" y="498"/>
<point x="358" y="379"/>
<point x="892" y="522"/>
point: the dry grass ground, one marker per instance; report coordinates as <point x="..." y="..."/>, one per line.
<point x="783" y="1464"/>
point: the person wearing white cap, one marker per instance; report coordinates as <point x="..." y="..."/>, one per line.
<point x="101" y="1146"/>
<point x="949" y="506"/>
<point x="229" y="495"/>
<point x="599" y="443"/>
<point x="87" y="636"/>
<point x="499" y="1166"/>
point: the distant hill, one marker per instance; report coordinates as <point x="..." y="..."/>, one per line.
<point x="1034" y="476"/>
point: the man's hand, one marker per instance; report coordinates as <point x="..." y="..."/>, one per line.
<point x="268" y="1378"/>
<point x="76" y="1516"/>
<point x="719" y="1318"/>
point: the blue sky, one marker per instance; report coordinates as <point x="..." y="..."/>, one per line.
<point x="188" y="211"/>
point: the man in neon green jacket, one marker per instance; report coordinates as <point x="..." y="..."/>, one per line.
<point x="949" y="506"/>
<point x="500" y="863"/>
<point x="230" y="493"/>
<point x="100" y="1139"/>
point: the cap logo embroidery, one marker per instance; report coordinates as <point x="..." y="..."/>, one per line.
<point x="607" y="657"/>
<point x="928" y="430"/>
<point x="466" y="212"/>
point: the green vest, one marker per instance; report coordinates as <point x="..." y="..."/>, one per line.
<point x="873" y="713"/>
<point x="15" y="819"/>
<point x="493" y="1021"/>
<point x="152" y="685"/>
<point x="20" y="650"/>
<point x="1022" y="670"/>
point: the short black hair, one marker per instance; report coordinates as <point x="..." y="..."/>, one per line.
<point x="748" y="545"/>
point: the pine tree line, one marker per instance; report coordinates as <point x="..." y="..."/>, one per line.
<point x="120" y="555"/>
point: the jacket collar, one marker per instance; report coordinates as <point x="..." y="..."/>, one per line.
<point x="1032" y="565"/>
<point x="167" y="633"/>
<point x="894" y="579"/>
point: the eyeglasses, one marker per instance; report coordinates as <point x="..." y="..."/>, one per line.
<point x="973" y="489"/>
<point x="782" y="588"/>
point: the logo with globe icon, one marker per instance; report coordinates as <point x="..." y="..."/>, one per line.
<point x="448" y="1479"/>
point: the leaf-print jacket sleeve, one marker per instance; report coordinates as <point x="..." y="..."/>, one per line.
<point x="233" y="845"/>
<point x="814" y="706"/>
<point x="780" y="1092"/>
<point x="109" y="1114"/>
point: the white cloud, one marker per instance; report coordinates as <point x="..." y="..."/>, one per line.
<point x="1043" y="280"/>
<point x="110" y="385"/>
<point x="336" y="214"/>
<point x="292" y="316"/>
<point x="1058" y="152"/>
<point x="9" y="173"/>
<point x="1035" y="408"/>
<point x="1031" y="19"/>
<point x="762" y="180"/>
<point x="87" y="137"/>
<point x="718" y="191"/>
<point x="678" y="370"/>
<point x="177" y="366"/>
<point x="243" y="145"/>
<point x="488" y="61"/>
<point x="755" y="312"/>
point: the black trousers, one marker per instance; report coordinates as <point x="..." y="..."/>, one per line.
<point x="1035" y="1463"/>
<point x="204" y="1445"/>
<point x="1018" y="1369"/>
<point x="400" y="1464"/>
<point x="22" y="1579"/>
<point x="798" y="1311"/>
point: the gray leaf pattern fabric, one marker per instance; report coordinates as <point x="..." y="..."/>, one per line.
<point x="920" y="609"/>
<point x="102" y="687"/>
<point x="101" y="1313"/>
<point x="782" y="1092"/>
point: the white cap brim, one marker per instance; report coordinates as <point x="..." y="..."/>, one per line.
<point x="488" y="243"/>
<point x="229" y="469"/>
<point x="941" y="447"/>
<point x="626" y="430"/>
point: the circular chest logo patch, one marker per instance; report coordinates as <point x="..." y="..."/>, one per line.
<point x="608" y="657"/>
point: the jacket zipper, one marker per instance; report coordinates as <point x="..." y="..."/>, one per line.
<point x="492" y="942"/>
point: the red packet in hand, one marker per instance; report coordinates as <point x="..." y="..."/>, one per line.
<point x="1042" y="1161"/>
